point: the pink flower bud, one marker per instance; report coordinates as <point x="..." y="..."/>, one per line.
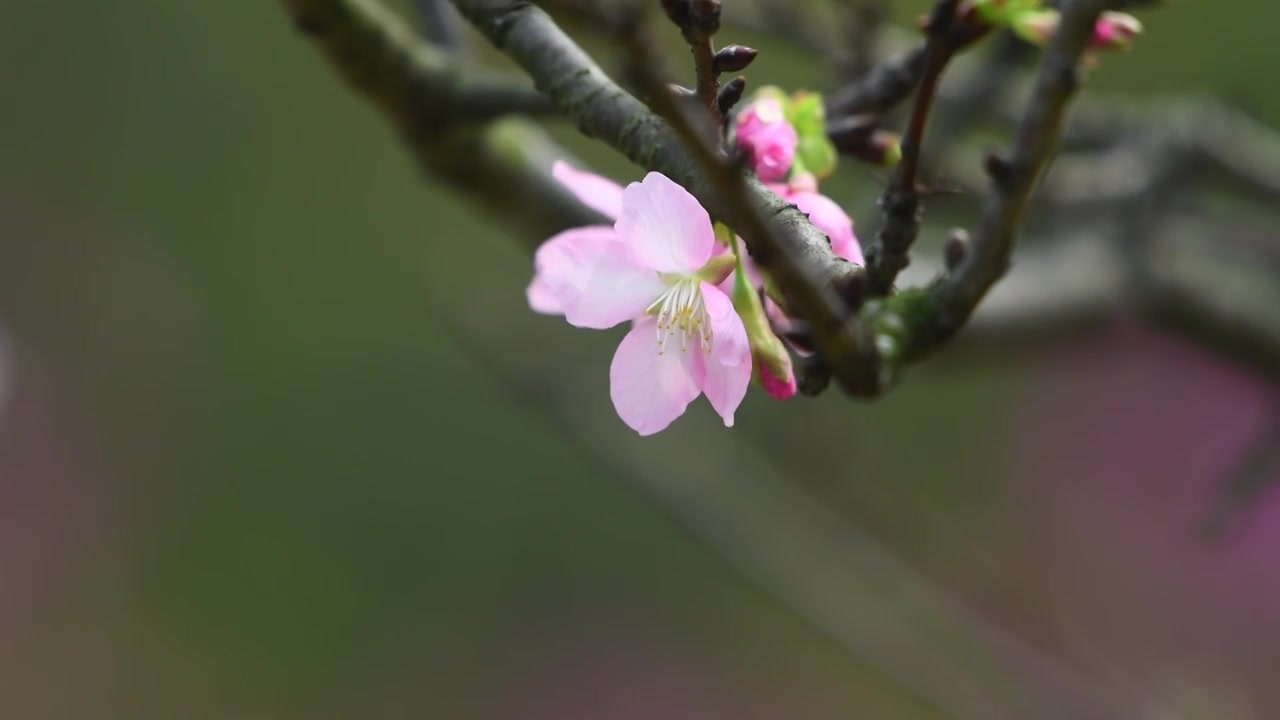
<point x="1115" y="31"/>
<point x="765" y="135"/>
<point x="778" y="388"/>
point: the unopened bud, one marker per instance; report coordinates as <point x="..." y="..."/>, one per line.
<point x="770" y="361"/>
<point x="730" y="94"/>
<point x="733" y="58"/>
<point x="1115" y="31"/>
<point x="956" y="247"/>
<point x="859" y="137"/>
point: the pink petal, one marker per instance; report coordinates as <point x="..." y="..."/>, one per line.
<point x="593" y="276"/>
<point x="649" y="390"/>
<point x="769" y="140"/>
<point x="664" y="226"/>
<point x="778" y="388"/>
<point x="541" y="298"/>
<point x="729" y="346"/>
<point x="726" y="372"/>
<point x="832" y="220"/>
<point x="598" y="193"/>
<point x="725" y="385"/>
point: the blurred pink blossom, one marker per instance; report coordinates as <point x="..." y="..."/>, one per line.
<point x="770" y="141"/>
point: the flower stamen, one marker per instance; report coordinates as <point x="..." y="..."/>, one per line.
<point x="682" y="311"/>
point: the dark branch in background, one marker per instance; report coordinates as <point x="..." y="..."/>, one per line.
<point x="1229" y="147"/>
<point x="441" y="108"/>
<point x="971" y="98"/>
<point x="441" y="25"/>
<point x="863" y="22"/>
<point x="882" y="88"/>
<point x="1244" y="485"/>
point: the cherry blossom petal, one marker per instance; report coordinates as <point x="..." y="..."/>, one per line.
<point x="664" y="226"/>
<point x="650" y="390"/>
<point x="594" y="278"/>
<point x="729" y="337"/>
<point x="541" y="298"/>
<point x="724" y="385"/>
<point x="598" y="193"/>
<point x="832" y="220"/>
<point x="725" y="373"/>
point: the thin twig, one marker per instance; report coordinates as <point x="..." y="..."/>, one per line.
<point x="699" y="20"/>
<point x="900" y="206"/>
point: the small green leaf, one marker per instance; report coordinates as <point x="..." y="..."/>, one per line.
<point x="817" y="155"/>
<point x="806" y="113"/>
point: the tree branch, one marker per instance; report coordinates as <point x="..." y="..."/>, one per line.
<point x="880" y="89"/>
<point x="440" y="108"/>
<point x="1222" y="298"/>
<point x="441" y="25"/>
<point x="900" y="206"/>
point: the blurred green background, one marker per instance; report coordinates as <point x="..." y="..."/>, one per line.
<point x="282" y="439"/>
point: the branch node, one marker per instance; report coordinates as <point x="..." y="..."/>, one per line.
<point x="999" y="170"/>
<point x="955" y="248"/>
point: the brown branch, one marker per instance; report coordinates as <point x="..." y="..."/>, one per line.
<point x="900" y="206"/>
<point x="441" y="107"/>
<point x="882" y="88"/>
<point x="699" y="20"/>
<point x="417" y="84"/>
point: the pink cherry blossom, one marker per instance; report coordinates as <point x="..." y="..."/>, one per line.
<point x="657" y="267"/>
<point x="605" y="196"/>
<point x="764" y="133"/>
